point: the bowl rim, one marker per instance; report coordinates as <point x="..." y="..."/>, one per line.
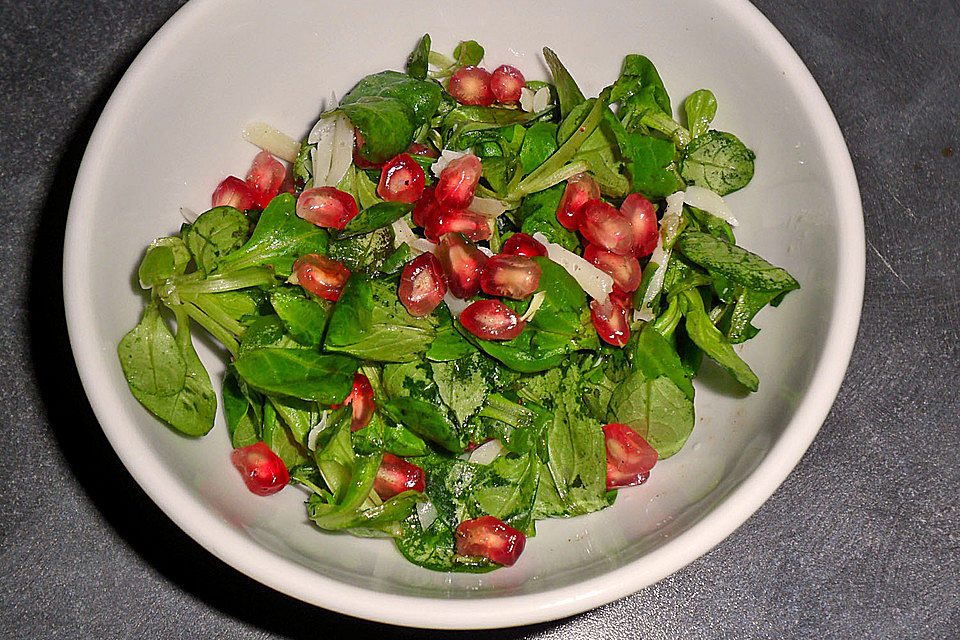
<point x="284" y="575"/>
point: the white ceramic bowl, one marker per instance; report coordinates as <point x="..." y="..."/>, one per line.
<point x="171" y="132"/>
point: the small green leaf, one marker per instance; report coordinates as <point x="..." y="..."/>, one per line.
<point x="700" y="107"/>
<point x="718" y="161"/>
<point x="418" y="58"/>
<point x="216" y="233"/>
<point x="300" y="373"/>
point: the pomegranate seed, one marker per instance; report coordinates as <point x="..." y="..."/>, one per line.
<point x="506" y="82"/>
<point x="629" y="457"/>
<point x="625" y="300"/>
<point x="492" y="320"/>
<point x="462" y="263"/>
<point x="625" y="270"/>
<point x="396" y="475"/>
<point x="581" y="189"/>
<point x="523" y="244"/>
<point x="426" y="208"/>
<point x="358" y="158"/>
<point x="326" y="207"/>
<point x="610" y="321"/>
<point x="642" y="215"/>
<point x="289" y="185"/>
<point x="422" y="150"/>
<point x="473" y="225"/>
<point x="363" y="402"/>
<point x="233" y="192"/>
<point x="489" y="537"/>
<point x="401" y="180"/>
<point x="320" y="275"/>
<point x="458" y="181"/>
<point x="265" y="177"/>
<point x="601" y="224"/>
<point x="422" y="286"/>
<point x="510" y="276"/>
<point x="471" y="85"/>
<point x="262" y="469"/>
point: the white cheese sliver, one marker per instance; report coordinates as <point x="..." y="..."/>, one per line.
<point x="426" y="513"/>
<point x="422" y="245"/>
<point x="710" y="202"/>
<point x="189" y="215"/>
<point x="322" y="155"/>
<point x="315" y="432"/>
<point x="403" y="233"/>
<point x="526" y="99"/>
<point x="271" y="140"/>
<point x="342" y="154"/>
<point x="661" y="256"/>
<point x="541" y="99"/>
<point x="592" y="280"/>
<point x="535" y="304"/>
<point x="455" y="304"/>
<point x="487" y="452"/>
<point x="487" y="252"/>
<point x="445" y="157"/>
<point x="487" y="207"/>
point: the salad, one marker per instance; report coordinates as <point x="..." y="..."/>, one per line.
<point x="464" y="302"/>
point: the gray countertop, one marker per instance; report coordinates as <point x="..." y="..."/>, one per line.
<point x="861" y="541"/>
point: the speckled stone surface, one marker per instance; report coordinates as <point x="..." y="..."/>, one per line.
<point x="861" y="541"/>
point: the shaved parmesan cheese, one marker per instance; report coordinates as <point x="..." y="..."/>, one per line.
<point x="710" y="202"/>
<point x="189" y="215"/>
<point x="455" y="304"/>
<point x="315" y="432"/>
<point x="403" y="233"/>
<point x="535" y="304"/>
<point x="541" y="99"/>
<point x="271" y="140"/>
<point x="592" y="280"/>
<point x="669" y="228"/>
<point x="422" y="245"/>
<point x="487" y="252"/>
<point x="323" y="127"/>
<point x="526" y="99"/>
<point x="342" y="154"/>
<point x="487" y="452"/>
<point x="445" y="157"/>
<point x="487" y="207"/>
<point x="426" y="513"/>
<point x="321" y="156"/>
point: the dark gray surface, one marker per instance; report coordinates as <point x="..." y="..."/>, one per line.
<point x="861" y="541"/>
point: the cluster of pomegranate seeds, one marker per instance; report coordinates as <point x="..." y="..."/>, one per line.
<point x="629" y="457"/>
<point x="320" y="275"/>
<point x="580" y="190"/>
<point x="401" y="180"/>
<point x="264" y="181"/>
<point x="625" y="270"/>
<point x="462" y="263"/>
<point x="326" y="207"/>
<point x="396" y="475"/>
<point x="476" y="86"/>
<point x="510" y="276"/>
<point x="490" y="538"/>
<point x="361" y="401"/>
<point x="262" y="469"/>
<point x="422" y="285"/>
<point x="610" y="320"/>
<point x="523" y="244"/>
<point x="492" y="320"/>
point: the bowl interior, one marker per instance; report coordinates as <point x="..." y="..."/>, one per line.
<point x="172" y="132"/>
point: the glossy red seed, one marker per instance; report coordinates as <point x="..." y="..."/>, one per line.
<point x="625" y="270"/>
<point x="471" y="85"/>
<point x="422" y="150"/>
<point x="326" y="207"/>
<point x="492" y="320"/>
<point x="462" y="263"/>
<point x="421" y="285"/>
<point x="426" y="208"/>
<point x="629" y="457"/>
<point x="642" y="215"/>
<point x="610" y="321"/>
<point x="320" y="275"/>
<point x="490" y="538"/>
<point x="233" y="192"/>
<point x="510" y="276"/>
<point x="362" y="402"/>
<point x="580" y="190"/>
<point x="458" y="181"/>
<point x="625" y="300"/>
<point x="401" y="180"/>
<point x="265" y="177"/>
<point x="396" y="475"/>
<point x="522" y="244"/>
<point x="601" y="224"/>
<point x="506" y="83"/>
<point x="472" y="225"/>
<point x="358" y="157"/>
<point x="262" y="469"/>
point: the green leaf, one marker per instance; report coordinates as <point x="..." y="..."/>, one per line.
<point x="538" y="213"/>
<point x="300" y="373"/>
<point x="375" y="217"/>
<point x="164" y="259"/>
<point x="305" y="319"/>
<point x="365" y="253"/>
<point x="216" y="233"/>
<point x="718" y="161"/>
<point x="736" y="263"/>
<point x="418" y="58"/>
<point x="648" y="162"/>
<point x="655" y="357"/>
<point x="706" y="336"/>
<point x="467" y="53"/>
<point x="655" y="408"/>
<point x="700" y="107"/>
<point x="420" y="97"/>
<point x="298" y="415"/>
<point x="427" y="421"/>
<point x="639" y="91"/>
<point x="567" y="90"/>
<point x="280" y="439"/>
<point x="386" y="124"/>
<point x="241" y="412"/>
<point x="539" y="143"/>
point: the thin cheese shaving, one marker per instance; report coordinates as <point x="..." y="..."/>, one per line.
<point x="487" y="207"/>
<point x="597" y="284"/>
<point x="455" y="304"/>
<point x="526" y="99"/>
<point x="541" y="99"/>
<point x="445" y="157"/>
<point x="710" y="202"/>
<point x="315" y="432"/>
<point x="189" y="215"/>
<point x="342" y="150"/>
<point x="669" y="226"/>
<point x="271" y="140"/>
<point x="535" y="304"/>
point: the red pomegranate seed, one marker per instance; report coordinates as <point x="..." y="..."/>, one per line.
<point x="422" y="150"/>
<point x="629" y="457"/>
<point x="610" y="321"/>
<point x="471" y="85"/>
<point x="472" y="225"/>
<point x="625" y="270"/>
<point x="523" y="244"/>
<point x="625" y="300"/>
<point x="581" y="189"/>
<point x="358" y="158"/>
<point x="492" y="320"/>
<point x="458" y="181"/>
<point x="601" y="224"/>
<point x="326" y="207"/>
<point x="462" y="263"/>
<point x="642" y="215"/>
<point x="320" y="275"/>
<point x="506" y="83"/>
<point x="426" y="209"/>
<point x="510" y="276"/>
<point x="361" y="402"/>
<point x="421" y="285"/>
<point x="262" y="469"/>
<point x="233" y="192"/>
<point x="401" y="180"/>
<point x="490" y="538"/>
<point x="396" y="475"/>
<point x="265" y="177"/>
